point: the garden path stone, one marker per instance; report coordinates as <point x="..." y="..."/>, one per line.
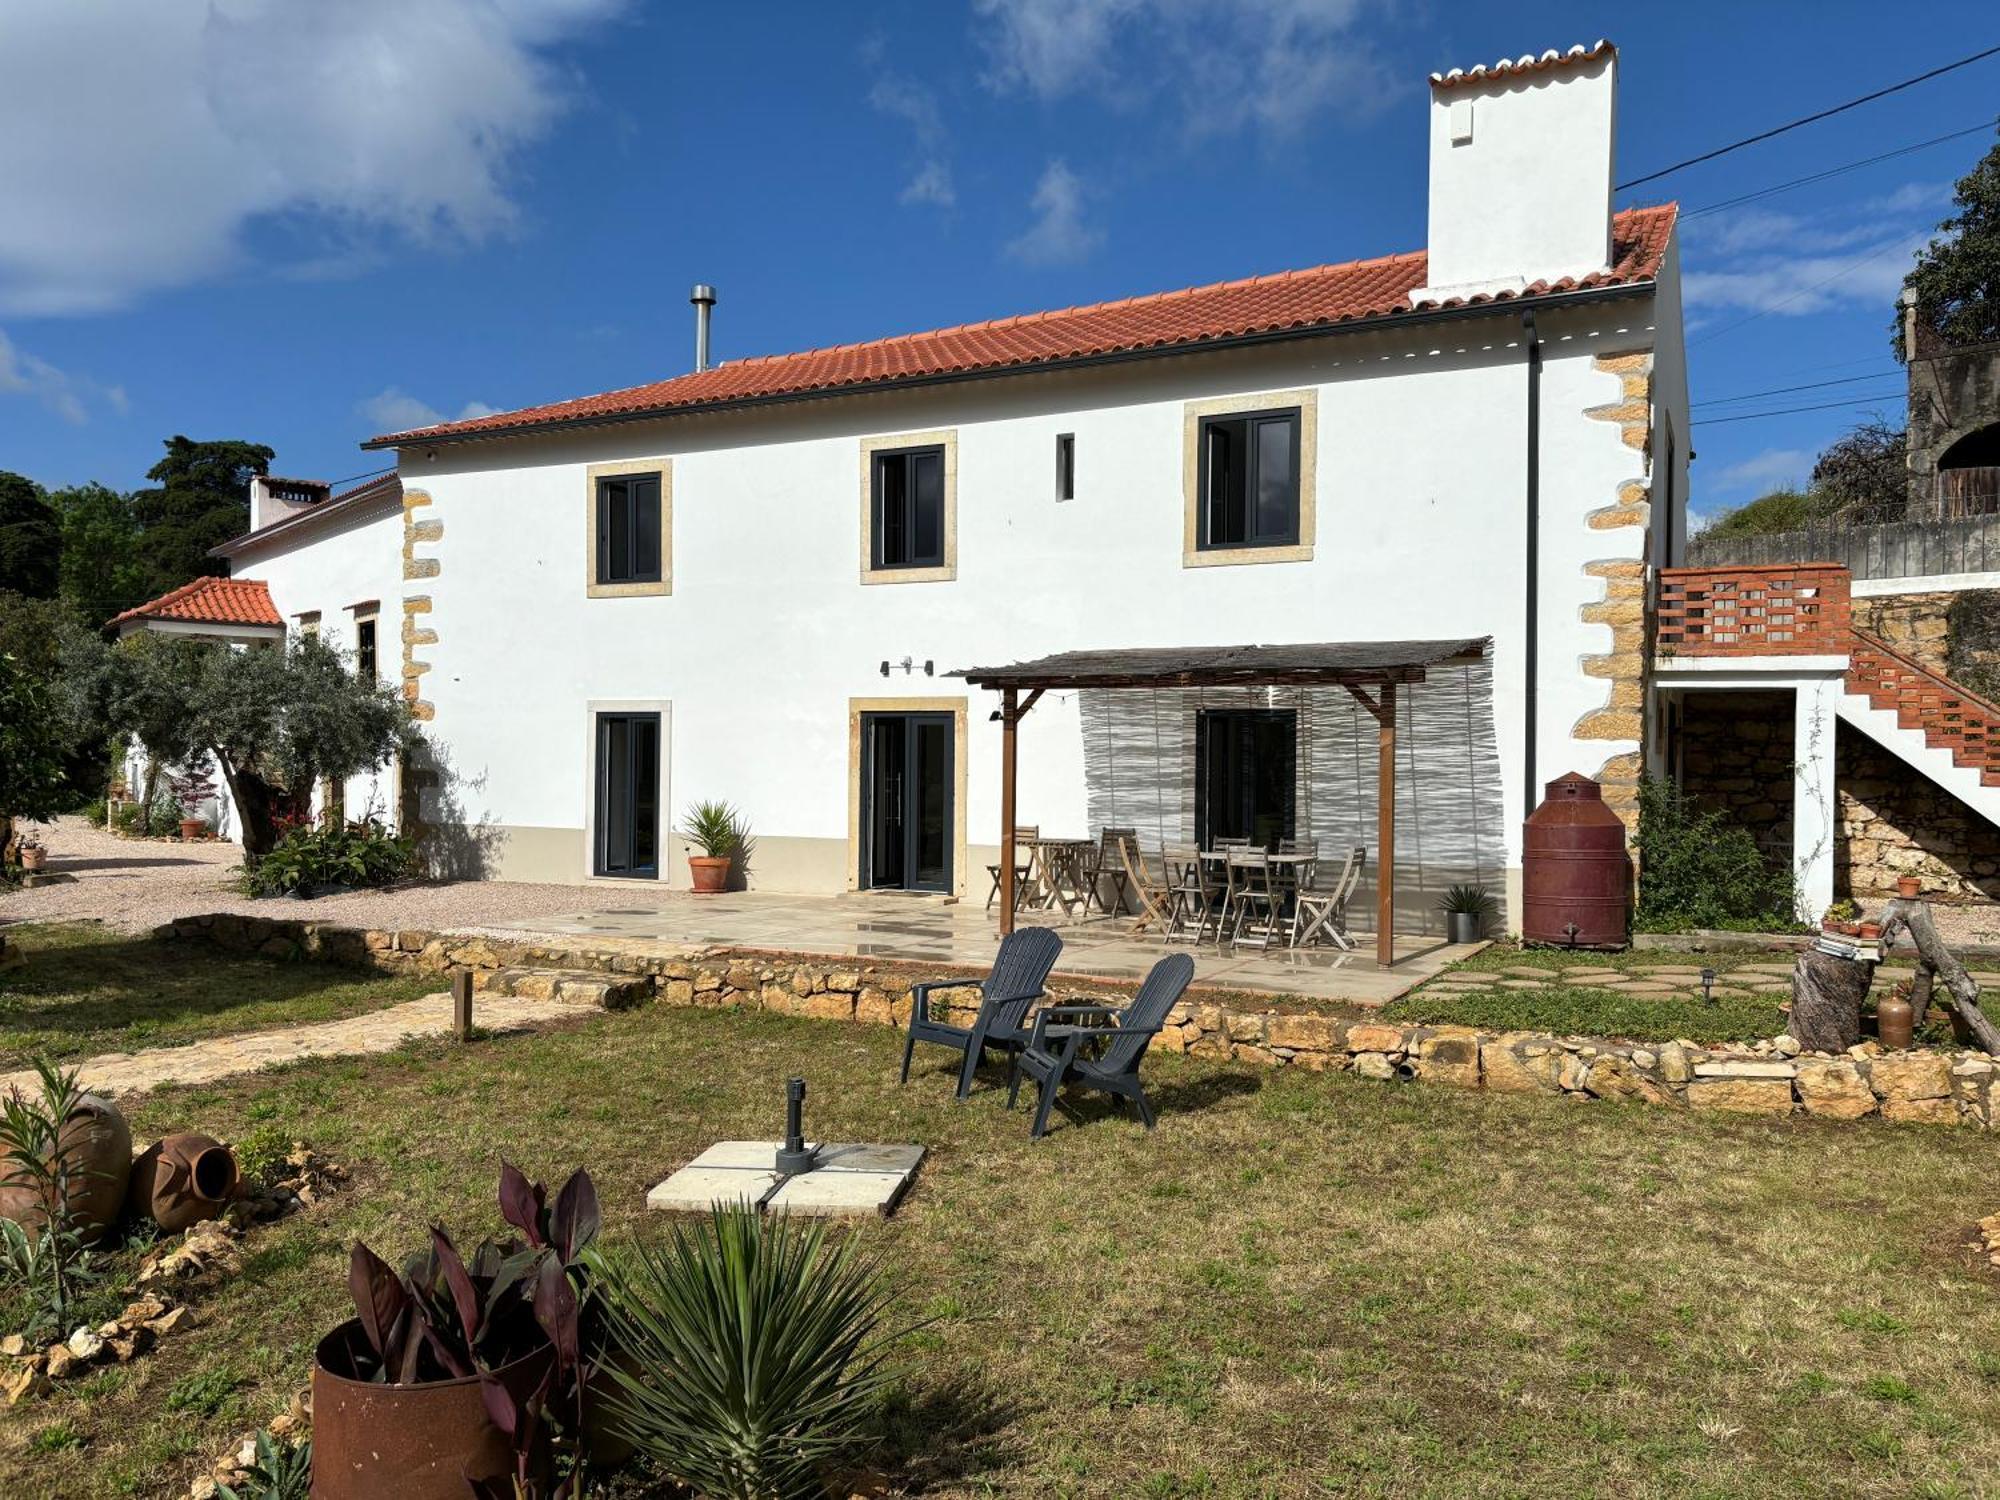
<point x="122" y="1073"/>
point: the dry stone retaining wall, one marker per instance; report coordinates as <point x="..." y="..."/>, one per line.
<point x="1927" y="1087"/>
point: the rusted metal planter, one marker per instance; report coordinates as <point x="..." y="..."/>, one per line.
<point x="1576" y="879"/>
<point x="182" y="1179"/>
<point x="416" y="1442"/>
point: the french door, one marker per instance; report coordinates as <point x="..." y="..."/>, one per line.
<point x="906" y="802"/>
<point x="628" y="795"/>
<point x="1246" y="775"/>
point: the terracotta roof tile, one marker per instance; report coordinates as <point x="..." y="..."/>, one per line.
<point x="1509" y="67"/>
<point x="1322" y="297"/>
<point x="211" y="601"/>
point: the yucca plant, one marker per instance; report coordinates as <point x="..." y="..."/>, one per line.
<point x="283" y="1471"/>
<point x="748" y="1352"/>
<point x="713" y="828"/>
<point x="1467" y="901"/>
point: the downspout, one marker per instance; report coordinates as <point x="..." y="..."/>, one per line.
<point x="1533" y="589"/>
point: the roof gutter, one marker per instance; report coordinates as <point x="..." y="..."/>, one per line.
<point x="1511" y="308"/>
<point x="306" y="521"/>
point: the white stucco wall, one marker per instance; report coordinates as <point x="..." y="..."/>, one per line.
<point x="769" y="633"/>
<point x="330" y="568"/>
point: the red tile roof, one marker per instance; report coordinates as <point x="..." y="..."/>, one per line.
<point x="1298" y="301"/>
<point x="1509" y="67"/>
<point x="211" y="601"/>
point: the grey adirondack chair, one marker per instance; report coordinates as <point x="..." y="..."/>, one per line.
<point x="1020" y="970"/>
<point x="1054" y="1056"/>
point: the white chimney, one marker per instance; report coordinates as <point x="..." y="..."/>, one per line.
<point x="273" y="500"/>
<point x="1521" y="172"/>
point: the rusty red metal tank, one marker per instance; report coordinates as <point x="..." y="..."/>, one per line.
<point x="1576" y="879"/>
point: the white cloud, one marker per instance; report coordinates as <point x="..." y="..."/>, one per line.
<point x="1774" y="468"/>
<point x="1800" y="284"/>
<point x="907" y="100"/>
<point x="343" y="124"/>
<point x="1058" y="236"/>
<point x="396" y="410"/>
<point x="68" y="396"/>
<point x="1225" y="64"/>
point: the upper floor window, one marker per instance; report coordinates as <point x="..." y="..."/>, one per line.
<point x="1249" y="483"/>
<point x="364" y="648"/>
<point x="628" y="528"/>
<point x="1065" y="466"/>
<point x="908" y="511"/>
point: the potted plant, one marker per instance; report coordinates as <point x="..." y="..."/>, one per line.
<point x="1466" y="908"/>
<point x="713" y="828"/>
<point x="192" y="788"/>
<point x="33" y="855"/>
<point x="442" y="1382"/>
<point x="1909" y="887"/>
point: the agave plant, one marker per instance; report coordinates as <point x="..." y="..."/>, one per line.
<point x="713" y="828"/>
<point x="282" y="1471"/>
<point x="749" y="1352"/>
<point x="1467" y="900"/>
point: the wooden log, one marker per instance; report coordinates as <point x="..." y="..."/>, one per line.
<point x="1827" y="994"/>
<point x="1961" y="991"/>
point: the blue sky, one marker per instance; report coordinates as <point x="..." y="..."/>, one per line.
<point x="302" y="224"/>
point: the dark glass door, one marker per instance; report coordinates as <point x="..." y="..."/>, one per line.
<point x="628" y="795"/>
<point x="1246" y="775"/>
<point x="906" y="811"/>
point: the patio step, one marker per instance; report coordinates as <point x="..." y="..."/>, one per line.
<point x="593" y="987"/>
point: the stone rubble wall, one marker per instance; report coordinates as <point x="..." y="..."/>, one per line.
<point x="1925" y="1086"/>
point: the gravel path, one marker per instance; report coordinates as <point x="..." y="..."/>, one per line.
<point x="134" y="885"/>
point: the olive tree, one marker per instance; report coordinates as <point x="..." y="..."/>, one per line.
<point x="278" y="720"/>
<point x="32" y="734"/>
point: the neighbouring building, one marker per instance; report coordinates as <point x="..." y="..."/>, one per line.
<point x="755" y="581"/>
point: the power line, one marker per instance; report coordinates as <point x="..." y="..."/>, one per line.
<point x="1781" y="390"/>
<point x="1824" y="114"/>
<point x="1847" y="270"/>
<point x="1869" y="161"/>
<point x="1786" y="411"/>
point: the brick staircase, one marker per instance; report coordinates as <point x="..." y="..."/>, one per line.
<point x="1950" y="718"/>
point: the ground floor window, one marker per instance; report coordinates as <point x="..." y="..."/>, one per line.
<point x="907" y="775"/>
<point x="1246" y="775"/>
<point x="628" y="795"/>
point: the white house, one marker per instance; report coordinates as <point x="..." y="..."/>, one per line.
<point x="755" y="581"/>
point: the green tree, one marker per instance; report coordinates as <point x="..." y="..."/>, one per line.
<point x="31" y="740"/>
<point x="1957" y="276"/>
<point x="144" y="686"/>
<point x="202" y="500"/>
<point x="30" y="538"/>
<point x="280" y="721"/>
<point x="103" y="569"/>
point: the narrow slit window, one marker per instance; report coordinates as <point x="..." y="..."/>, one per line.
<point x="1065" y="466"/>
<point x="364" y="648"/>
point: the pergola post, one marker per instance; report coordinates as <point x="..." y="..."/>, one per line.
<point x="1385" y="828"/>
<point x="1009" y="717"/>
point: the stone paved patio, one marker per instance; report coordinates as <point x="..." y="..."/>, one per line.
<point x="120" y="1074"/>
<point x="917" y="929"/>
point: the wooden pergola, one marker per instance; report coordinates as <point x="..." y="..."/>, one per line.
<point x="1370" y="671"/>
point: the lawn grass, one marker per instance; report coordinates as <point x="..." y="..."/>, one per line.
<point x="87" y="989"/>
<point x="1301" y="1284"/>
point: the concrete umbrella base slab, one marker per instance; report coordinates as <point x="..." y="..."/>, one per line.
<point x="850" y="1181"/>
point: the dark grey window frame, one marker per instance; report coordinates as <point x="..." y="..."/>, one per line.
<point x="620" y="491"/>
<point x="1249" y="421"/>
<point x="367" y="644"/>
<point x="601" y="839"/>
<point x="1065" y="466"/>
<point x="878" y="461"/>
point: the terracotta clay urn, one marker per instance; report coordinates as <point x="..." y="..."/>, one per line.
<point x="97" y="1144"/>
<point x="416" y="1442"/>
<point x="181" y="1180"/>
<point x="710" y="872"/>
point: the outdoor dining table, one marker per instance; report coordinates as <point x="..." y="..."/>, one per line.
<point x="1287" y="869"/>
<point x="1058" y="865"/>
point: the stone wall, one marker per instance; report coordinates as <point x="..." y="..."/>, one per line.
<point x="1929" y="1087"/>
<point x="1890" y="821"/>
<point x="1735" y="758"/>
<point x="1918" y="625"/>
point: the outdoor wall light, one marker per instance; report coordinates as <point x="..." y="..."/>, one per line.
<point x="909" y="665"/>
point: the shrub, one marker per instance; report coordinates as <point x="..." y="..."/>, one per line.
<point x="94" y="812"/>
<point x="52" y="1268"/>
<point x="1696" y="869"/>
<point x="340" y="854"/>
<point x="750" y="1352"/>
